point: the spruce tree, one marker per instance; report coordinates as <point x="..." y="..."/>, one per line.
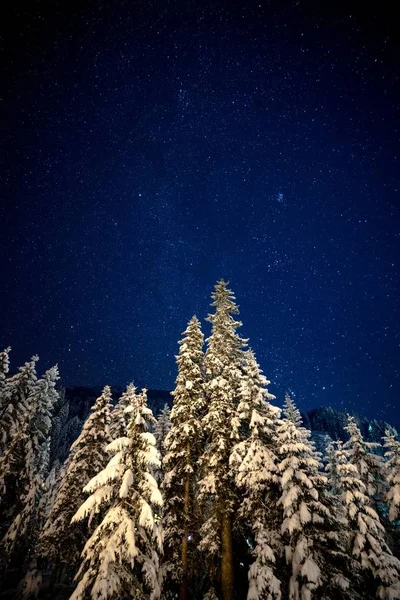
<point x="310" y="528"/>
<point x="369" y="464"/>
<point x="4" y="368"/>
<point x="366" y="534"/>
<point x="16" y="413"/>
<point x="182" y="446"/>
<point x="254" y="466"/>
<point x="30" y="464"/>
<point x="161" y="429"/>
<point x="119" y="416"/>
<point x="62" y="542"/>
<point x="223" y="361"/>
<point x="120" y="559"/>
<point x="392" y="454"/>
<point x="291" y="411"/>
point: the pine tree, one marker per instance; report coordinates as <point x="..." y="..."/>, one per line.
<point x="119" y="416"/>
<point x="120" y="559"/>
<point x="291" y="411"/>
<point x="254" y="466"/>
<point x="392" y="447"/>
<point x="182" y="446"/>
<point x="366" y="537"/>
<point x="61" y="542"/>
<point x="16" y="412"/>
<point x="223" y="361"/>
<point x="30" y="462"/>
<point x="161" y="429"/>
<point x="309" y="528"/>
<point x="4" y="368"/>
<point x="370" y="465"/>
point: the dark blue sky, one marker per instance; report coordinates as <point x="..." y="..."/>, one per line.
<point x="150" y="148"/>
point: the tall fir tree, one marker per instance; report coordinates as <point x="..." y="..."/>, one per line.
<point x="16" y="412"/>
<point x="161" y="429"/>
<point x="291" y="411"/>
<point x="60" y="541"/>
<point x="366" y="534"/>
<point x="183" y="447"/>
<point x="120" y="559"/>
<point x="4" y="368"/>
<point x="370" y="465"/>
<point x="310" y="526"/>
<point x="119" y="415"/>
<point x="223" y="361"/>
<point x="392" y="455"/>
<point x="30" y="462"/>
<point x="253" y="464"/>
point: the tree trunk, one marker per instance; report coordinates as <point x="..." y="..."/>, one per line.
<point x="183" y="590"/>
<point x="227" y="555"/>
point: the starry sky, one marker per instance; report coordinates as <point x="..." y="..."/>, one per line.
<point x="149" y="148"/>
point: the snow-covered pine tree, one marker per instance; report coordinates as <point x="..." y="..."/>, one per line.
<point x="223" y="361"/>
<point x="16" y="413"/>
<point x="183" y="447"/>
<point x="119" y="416"/>
<point x="161" y="429"/>
<point x="370" y="465"/>
<point x="291" y="411"/>
<point x="392" y="454"/>
<point x="4" y="368"/>
<point x="309" y="528"/>
<point x="120" y="559"/>
<point x="366" y="534"/>
<point x="253" y="464"/>
<point x="60" y="541"/>
<point x="30" y="464"/>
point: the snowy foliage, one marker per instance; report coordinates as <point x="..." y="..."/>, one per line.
<point x="182" y="447"/>
<point x="291" y="412"/>
<point x="119" y="416"/>
<point x="223" y="362"/>
<point x="61" y="542"/>
<point x="4" y="368"/>
<point x="366" y="536"/>
<point x="308" y="528"/>
<point x="392" y="454"/>
<point x="161" y="429"/>
<point x="16" y="412"/>
<point x="25" y="461"/>
<point x="123" y="551"/>
<point x="253" y="464"/>
<point x="363" y="456"/>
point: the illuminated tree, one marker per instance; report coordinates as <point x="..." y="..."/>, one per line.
<point x="291" y="411"/>
<point x="119" y="415"/>
<point x="366" y="534"/>
<point x="161" y="429"/>
<point x="392" y="447"/>
<point x="16" y="411"/>
<point x="253" y="464"/>
<point x="370" y="465"/>
<point x="61" y="542"/>
<point x="223" y="361"/>
<point x="4" y="367"/>
<point x="312" y="530"/>
<point x="183" y="446"/>
<point x="120" y="559"/>
<point x="26" y="463"/>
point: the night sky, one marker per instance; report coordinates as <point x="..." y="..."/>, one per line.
<point x="149" y="148"/>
